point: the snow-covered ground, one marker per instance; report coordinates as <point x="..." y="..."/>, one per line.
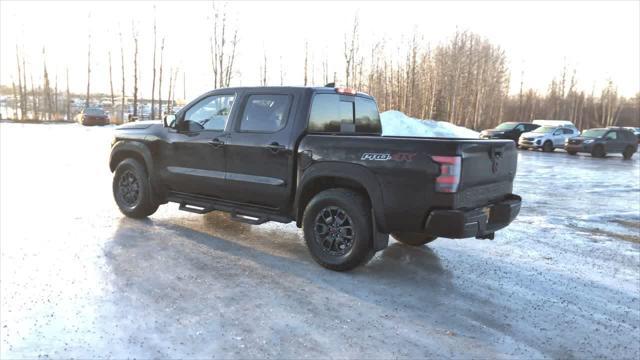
<point x="79" y="280"/>
<point x="396" y="123"/>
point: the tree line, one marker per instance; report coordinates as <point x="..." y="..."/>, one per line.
<point x="464" y="80"/>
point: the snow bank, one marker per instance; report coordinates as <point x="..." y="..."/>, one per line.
<point x="396" y="123"/>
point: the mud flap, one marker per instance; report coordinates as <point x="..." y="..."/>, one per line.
<point x="380" y="240"/>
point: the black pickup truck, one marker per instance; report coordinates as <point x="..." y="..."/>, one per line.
<point x="315" y="156"/>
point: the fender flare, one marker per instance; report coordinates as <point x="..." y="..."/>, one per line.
<point x="122" y="147"/>
<point x="351" y="172"/>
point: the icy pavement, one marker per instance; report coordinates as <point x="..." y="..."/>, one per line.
<point x="78" y="280"/>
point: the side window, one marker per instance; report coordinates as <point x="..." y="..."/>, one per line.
<point x="532" y="127"/>
<point x="330" y="113"/>
<point x="568" y="131"/>
<point x="367" y="117"/>
<point x="520" y="127"/>
<point x="265" y="113"/>
<point x="611" y="135"/>
<point x="211" y="112"/>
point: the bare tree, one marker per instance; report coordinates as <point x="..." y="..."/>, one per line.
<point x="263" y="70"/>
<point x="34" y="99"/>
<point x="47" y="88"/>
<point x="135" y="70"/>
<point x="170" y="88"/>
<point x="122" y="99"/>
<point x="221" y="64"/>
<point x="306" y="60"/>
<point x="22" y="97"/>
<point x="113" y="98"/>
<point x="55" y="99"/>
<point x="160" y="80"/>
<point x="87" y="101"/>
<point x="153" y="84"/>
<point x="281" y="72"/>
<point x="68" y="98"/>
<point x="351" y="51"/>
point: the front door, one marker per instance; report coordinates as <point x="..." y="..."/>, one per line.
<point x="194" y="152"/>
<point x="259" y="151"/>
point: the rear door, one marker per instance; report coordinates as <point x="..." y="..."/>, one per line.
<point x="259" y="150"/>
<point x="613" y="143"/>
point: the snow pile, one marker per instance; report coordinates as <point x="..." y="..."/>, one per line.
<point x="396" y="123"/>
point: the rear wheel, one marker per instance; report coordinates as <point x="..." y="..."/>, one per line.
<point x="628" y="152"/>
<point x="598" y="151"/>
<point x="338" y="228"/>
<point x="132" y="190"/>
<point x="413" y="238"/>
<point x="547" y="146"/>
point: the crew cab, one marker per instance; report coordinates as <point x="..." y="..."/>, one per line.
<point x="314" y="156"/>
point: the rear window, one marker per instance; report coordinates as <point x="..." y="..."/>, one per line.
<point x="334" y="113"/>
<point x="94" y="111"/>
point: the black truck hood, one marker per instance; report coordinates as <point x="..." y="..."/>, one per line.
<point x="139" y="125"/>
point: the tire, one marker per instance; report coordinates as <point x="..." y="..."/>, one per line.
<point x="628" y="152"/>
<point x="413" y="238"/>
<point x="547" y="146"/>
<point x="571" y="152"/>
<point x="352" y="244"/>
<point x="598" y="152"/>
<point x="132" y="190"/>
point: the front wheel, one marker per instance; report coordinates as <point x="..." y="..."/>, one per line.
<point x="132" y="190"/>
<point x="338" y="229"/>
<point x="413" y="238"/>
<point x="571" y="152"/>
<point x="547" y="146"/>
<point x="628" y="153"/>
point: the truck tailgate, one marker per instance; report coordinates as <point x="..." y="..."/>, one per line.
<point x="488" y="169"/>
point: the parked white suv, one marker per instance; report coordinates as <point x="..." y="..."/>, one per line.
<point x="550" y="135"/>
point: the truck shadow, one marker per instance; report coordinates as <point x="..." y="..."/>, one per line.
<point x="148" y="255"/>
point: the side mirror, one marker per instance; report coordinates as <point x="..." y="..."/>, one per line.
<point x="169" y="120"/>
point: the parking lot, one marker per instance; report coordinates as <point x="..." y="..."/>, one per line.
<point x="79" y="280"/>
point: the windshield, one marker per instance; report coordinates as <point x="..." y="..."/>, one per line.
<point x="594" y="133"/>
<point x="94" y="111"/>
<point x="506" y="126"/>
<point x="544" y="129"/>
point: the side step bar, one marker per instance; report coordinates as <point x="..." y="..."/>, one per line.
<point x="202" y="205"/>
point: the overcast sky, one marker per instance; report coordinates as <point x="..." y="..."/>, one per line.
<point x="600" y="39"/>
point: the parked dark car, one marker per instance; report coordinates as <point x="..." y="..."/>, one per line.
<point x="508" y="130"/>
<point x="600" y="142"/>
<point x="314" y="156"/>
<point x="93" y="116"/>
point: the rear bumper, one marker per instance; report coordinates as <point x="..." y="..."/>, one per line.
<point x="479" y="222"/>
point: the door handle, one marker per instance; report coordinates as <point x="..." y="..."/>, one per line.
<point x="216" y="142"/>
<point x="275" y="147"/>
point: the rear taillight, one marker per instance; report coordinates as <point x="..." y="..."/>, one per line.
<point x="449" y="178"/>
